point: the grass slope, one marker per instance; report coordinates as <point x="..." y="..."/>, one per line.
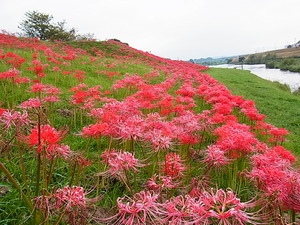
<point x="280" y="106"/>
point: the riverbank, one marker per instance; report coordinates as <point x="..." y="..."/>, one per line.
<point x="281" y="107"/>
<point x="290" y="79"/>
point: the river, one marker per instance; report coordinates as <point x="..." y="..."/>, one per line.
<point x="285" y="77"/>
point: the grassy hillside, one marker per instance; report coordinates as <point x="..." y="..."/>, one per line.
<point x="283" y="53"/>
<point x="102" y="133"/>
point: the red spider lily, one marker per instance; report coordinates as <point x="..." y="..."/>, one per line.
<point x="31" y="103"/>
<point x="215" y="156"/>
<point x="13" y="59"/>
<point x="2" y="111"/>
<point x="39" y="87"/>
<point x="141" y="209"/>
<point x="278" y="134"/>
<point x="51" y="98"/>
<point x="56" y="68"/>
<point x="69" y="197"/>
<point x="48" y="138"/>
<point x="236" y="139"/>
<point x="227" y="208"/>
<point x="59" y="150"/>
<point x="209" y="207"/>
<point x="38" y="70"/>
<point x="158" y="132"/>
<point x="187" y="127"/>
<point x="20" y="80"/>
<point x="120" y="161"/>
<point x="95" y="130"/>
<point x="131" y="128"/>
<point x="130" y="81"/>
<point x="173" y="166"/>
<point x="12" y="73"/>
<point x="186" y="90"/>
<point x="68" y="201"/>
<point x="184" y="210"/>
<point x="79" y="77"/>
<point x="273" y="173"/>
<point x="13" y="118"/>
<point x="163" y="182"/>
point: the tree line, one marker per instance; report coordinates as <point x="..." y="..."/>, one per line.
<point x="41" y="26"/>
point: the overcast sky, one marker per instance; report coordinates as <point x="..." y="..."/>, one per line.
<point x="176" y="29"/>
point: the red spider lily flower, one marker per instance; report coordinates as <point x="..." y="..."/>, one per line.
<point x="12" y="73"/>
<point x="51" y="90"/>
<point x="79" y="77"/>
<point x="70" y="200"/>
<point x="209" y="207"/>
<point x="184" y="210"/>
<point x="186" y="90"/>
<point x="69" y="197"/>
<point x="141" y="209"/>
<point x="13" y="118"/>
<point x="215" y="156"/>
<point x="131" y="128"/>
<point x="39" y="87"/>
<point x="283" y="153"/>
<point x="173" y="166"/>
<point x="51" y="98"/>
<point x="21" y="80"/>
<point x="227" y="208"/>
<point x="13" y="59"/>
<point x="59" y="150"/>
<point x="120" y="161"/>
<point x="274" y="174"/>
<point x="130" y="81"/>
<point x="56" y="68"/>
<point x="163" y="182"/>
<point x="2" y="111"/>
<point x="95" y="130"/>
<point x="31" y="103"/>
<point x="236" y="139"/>
<point x="49" y="137"/>
<point x="278" y="134"/>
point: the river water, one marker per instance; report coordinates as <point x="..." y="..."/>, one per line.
<point x="285" y="77"/>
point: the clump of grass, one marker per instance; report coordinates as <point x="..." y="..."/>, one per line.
<point x="281" y="86"/>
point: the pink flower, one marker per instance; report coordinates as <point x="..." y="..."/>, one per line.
<point x="120" y="161"/>
<point x="70" y="197"/>
<point x="13" y="118"/>
<point x="94" y="130"/>
<point x="31" y="103"/>
<point x="215" y="156"/>
<point x="141" y="209"/>
<point x="172" y="166"/>
<point x="39" y="87"/>
<point x="59" y="150"/>
<point x="163" y="182"/>
<point x="51" y="98"/>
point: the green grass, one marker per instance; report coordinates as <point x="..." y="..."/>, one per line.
<point x="281" y="107"/>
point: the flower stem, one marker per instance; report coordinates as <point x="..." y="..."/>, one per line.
<point x="16" y="185"/>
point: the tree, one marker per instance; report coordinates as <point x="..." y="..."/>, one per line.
<point x="39" y="25"/>
<point x="241" y="60"/>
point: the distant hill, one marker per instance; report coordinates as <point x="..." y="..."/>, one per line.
<point x="212" y="61"/>
<point x="280" y="53"/>
<point x="283" y="53"/>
